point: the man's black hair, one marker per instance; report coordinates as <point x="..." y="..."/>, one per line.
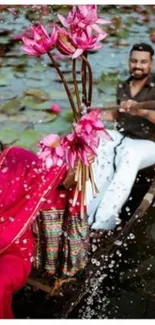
<point x="143" y="47"/>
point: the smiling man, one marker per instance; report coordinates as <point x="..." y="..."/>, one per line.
<point x="133" y="145"/>
<point x="141" y="61"/>
<point x="139" y="87"/>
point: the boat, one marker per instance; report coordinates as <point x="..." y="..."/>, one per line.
<point x="67" y="294"/>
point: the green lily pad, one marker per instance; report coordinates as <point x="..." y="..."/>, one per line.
<point x="123" y="34"/>
<point x="109" y="77"/>
<point x="34" y="117"/>
<point x="14" y="125"/>
<point x="38" y="94"/>
<point x="19" y="68"/>
<point x="58" y="95"/>
<point x="60" y="126"/>
<point x="30" y="102"/>
<point x="39" y="117"/>
<point x="40" y="67"/>
<point x="29" y="139"/>
<point x="4" y="80"/>
<point x="67" y="115"/>
<point x="11" y="107"/>
<point x="6" y="95"/>
<point x="108" y="82"/>
<point x="9" y="136"/>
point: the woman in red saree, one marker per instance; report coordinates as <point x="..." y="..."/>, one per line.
<point x="25" y="189"/>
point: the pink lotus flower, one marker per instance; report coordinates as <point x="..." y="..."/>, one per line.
<point x="77" y="146"/>
<point x="51" y="152"/>
<point x="55" y="108"/>
<point x="84" y="40"/>
<point x="64" y="44"/>
<point x="71" y="148"/>
<point x="40" y="42"/>
<point x="91" y="122"/>
<point x="90" y="126"/>
<point x="82" y="16"/>
<point x="88" y="15"/>
<point x="84" y="140"/>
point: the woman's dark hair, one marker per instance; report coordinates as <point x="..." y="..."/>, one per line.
<point x="2" y="147"/>
<point x="143" y="47"/>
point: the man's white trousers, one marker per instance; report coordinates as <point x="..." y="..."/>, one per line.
<point x="129" y="156"/>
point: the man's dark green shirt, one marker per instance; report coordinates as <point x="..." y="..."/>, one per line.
<point x="136" y="126"/>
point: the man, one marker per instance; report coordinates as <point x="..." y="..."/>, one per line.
<point x="133" y="146"/>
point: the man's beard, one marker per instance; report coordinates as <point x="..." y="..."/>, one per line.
<point x="139" y="77"/>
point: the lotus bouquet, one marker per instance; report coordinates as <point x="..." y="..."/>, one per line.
<point x="79" y="33"/>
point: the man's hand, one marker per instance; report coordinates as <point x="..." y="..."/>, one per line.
<point x="130" y="107"/>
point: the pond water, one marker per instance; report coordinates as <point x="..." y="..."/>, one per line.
<point x="28" y="87"/>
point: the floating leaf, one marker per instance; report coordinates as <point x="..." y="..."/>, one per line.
<point x="58" y="94"/>
<point x="67" y="115"/>
<point x="39" y="95"/>
<point x="123" y="34"/>
<point x="9" y="136"/>
<point x="39" y="117"/>
<point x="29" y="139"/>
<point x="60" y="126"/>
<point x="108" y="82"/>
<point x="34" y="117"/>
<point x="40" y="67"/>
<point x="11" y="107"/>
<point x="4" y="80"/>
<point x="30" y="102"/>
<point x="14" y="125"/>
<point x="19" y="68"/>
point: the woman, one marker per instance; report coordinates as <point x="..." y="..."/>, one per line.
<point x="25" y="189"/>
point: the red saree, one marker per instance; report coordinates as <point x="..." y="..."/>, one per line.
<point x="24" y="188"/>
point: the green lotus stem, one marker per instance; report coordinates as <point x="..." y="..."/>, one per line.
<point x="76" y="86"/>
<point x="84" y="79"/>
<point x="90" y="80"/>
<point x="65" y="85"/>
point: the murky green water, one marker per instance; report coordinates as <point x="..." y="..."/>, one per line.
<point x="24" y="118"/>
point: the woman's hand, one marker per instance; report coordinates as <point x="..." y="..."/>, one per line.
<point x="91" y="158"/>
<point x="69" y="180"/>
